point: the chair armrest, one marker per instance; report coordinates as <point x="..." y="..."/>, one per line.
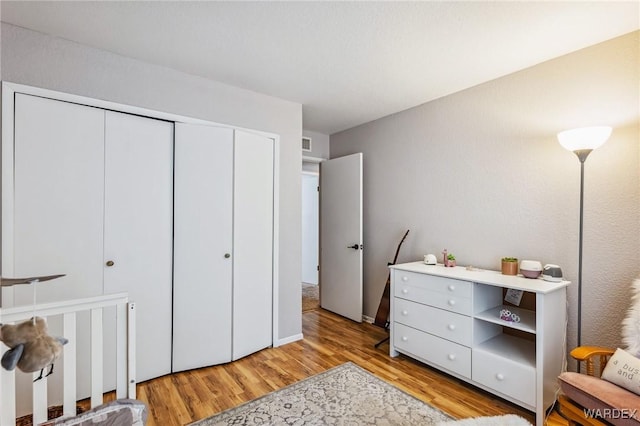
<point x="582" y="353"/>
<point x="589" y="353"/>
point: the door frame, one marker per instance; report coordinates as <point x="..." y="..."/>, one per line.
<point x="9" y="90"/>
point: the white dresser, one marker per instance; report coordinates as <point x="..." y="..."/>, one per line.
<point x="449" y="318"/>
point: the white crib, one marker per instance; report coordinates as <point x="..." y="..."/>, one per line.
<point x="68" y="311"/>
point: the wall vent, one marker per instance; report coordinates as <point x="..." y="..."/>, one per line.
<point x="306" y="144"/>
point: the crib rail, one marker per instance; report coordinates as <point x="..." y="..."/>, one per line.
<point x="68" y="311"/>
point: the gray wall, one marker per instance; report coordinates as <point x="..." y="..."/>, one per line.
<point x="39" y="60"/>
<point x="319" y="149"/>
<point x="319" y="144"/>
<point x="481" y="173"/>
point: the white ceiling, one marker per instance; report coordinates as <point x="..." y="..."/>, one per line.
<point x="347" y="63"/>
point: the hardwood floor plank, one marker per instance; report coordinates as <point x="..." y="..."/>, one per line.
<point x="329" y="340"/>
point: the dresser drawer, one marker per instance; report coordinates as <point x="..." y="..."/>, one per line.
<point x="451" y="295"/>
<point x="505" y="376"/>
<point x="443" y="353"/>
<point x="448" y="286"/>
<point x="448" y="325"/>
<point x="449" y="302"/>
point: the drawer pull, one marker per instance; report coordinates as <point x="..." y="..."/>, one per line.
<point x="452" y="357"/>
<point x="405" y="312"/>
<point x="451" y="302"/>
<point x="451" y="327"/>
<point x="451" y="287"/>
<point x="405" y="338"/>
<point x="405" y="278"/>
<point x="500" y="376"/>
<point x="405" y="291"/>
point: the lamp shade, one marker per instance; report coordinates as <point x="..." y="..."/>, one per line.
<point x="584" y="138"/>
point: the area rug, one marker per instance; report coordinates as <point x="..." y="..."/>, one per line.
<point x="506" y="420"/>
<point x="346" y="395"/>
<point x="310" y="297"/>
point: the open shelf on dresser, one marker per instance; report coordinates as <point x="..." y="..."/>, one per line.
<point x="527" y="318"/>
<point x="516" y="349"/>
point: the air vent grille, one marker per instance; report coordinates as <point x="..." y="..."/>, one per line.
<point x="306" y="144"/>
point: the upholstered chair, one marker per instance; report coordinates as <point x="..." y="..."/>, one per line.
<point x="587" y="395"/>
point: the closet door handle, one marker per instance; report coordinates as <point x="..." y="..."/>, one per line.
<point x="227" y="255"/>
<point x="110" y="263"/>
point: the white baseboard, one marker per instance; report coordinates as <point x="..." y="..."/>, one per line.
<point x="289" y="339"/>
<point x="296" y="337"/>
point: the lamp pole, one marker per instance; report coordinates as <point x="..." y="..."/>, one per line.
<point x="582" y="156"/>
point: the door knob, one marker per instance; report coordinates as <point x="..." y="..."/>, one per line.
<point x="355" y="246"/>
<point x="227" y="255"/>
<point x="110" y="263"/>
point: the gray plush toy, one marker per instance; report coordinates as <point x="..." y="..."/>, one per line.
<point x="31" y="348"/>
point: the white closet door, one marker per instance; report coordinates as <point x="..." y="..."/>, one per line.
<point x="202" y="246"/>
<point x="58" y="211"/>
<point x="138" y="230"/>
<point x="253" y="243"/>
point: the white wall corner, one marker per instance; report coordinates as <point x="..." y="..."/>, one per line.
<point x="290" y="339"/>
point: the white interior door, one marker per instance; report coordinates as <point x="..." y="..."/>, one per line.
<point x="341" y="236"/>
<point x="138" y="221"/>
<point x="310" y="228"/>
<point x="203" y="243"/>
<point x="252" y="243"/>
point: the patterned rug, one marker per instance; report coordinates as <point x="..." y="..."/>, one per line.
<point x="506" y="420"/>
<point x="310" y="297"/>
<point x="344" y="395"/>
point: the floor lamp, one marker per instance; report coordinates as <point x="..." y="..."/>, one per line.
<point x="582" y="141"/>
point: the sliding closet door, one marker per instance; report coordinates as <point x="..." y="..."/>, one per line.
<point x="138" y="223"/>
<point x="202" y="246"/>
<point x="253" y="243"/>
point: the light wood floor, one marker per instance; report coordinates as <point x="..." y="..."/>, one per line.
<point x="329" y="340"/>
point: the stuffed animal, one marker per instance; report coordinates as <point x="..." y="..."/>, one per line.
<point x="31" y="348"/>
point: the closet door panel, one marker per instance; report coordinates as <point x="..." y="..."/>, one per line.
<point x="253" y="243"/>
<point x="138" y="223"/>
<point x="58" y="197"/>
<point x="202" y="245"/>
<point x="58" y="213"/>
